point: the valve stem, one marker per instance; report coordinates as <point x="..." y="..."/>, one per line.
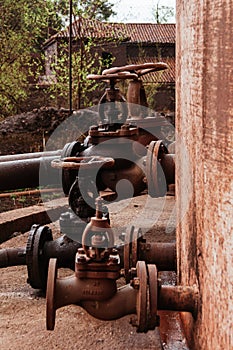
<point x="99" y="208"/>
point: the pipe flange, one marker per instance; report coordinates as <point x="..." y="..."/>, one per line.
<point x="157" y="186"/>
<point x="153" y="318"/>
<point x="37" y="262"/>
<point x="50" y="295"/>
<point x="141" y="305"/>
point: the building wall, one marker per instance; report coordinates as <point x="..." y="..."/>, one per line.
<point x="204" y="120"/>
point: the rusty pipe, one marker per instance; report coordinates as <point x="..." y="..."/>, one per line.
<point x="63" y="249"/>
<point x="25" y="173"/>
<point x="22" y="156"/>
<point x="12" y="257"/>
<point x="178" y="298"/>
<point x="163" y="255"/>
<point x="121" y="304"/>
<point x="73" y="290"/>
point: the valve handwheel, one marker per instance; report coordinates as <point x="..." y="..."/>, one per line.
<point x="137" y="69"/>
<point x="83" y="162"/>
<point x="120" y="75"/>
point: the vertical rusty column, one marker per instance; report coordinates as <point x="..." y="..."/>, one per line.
<point x="204" y="120"/>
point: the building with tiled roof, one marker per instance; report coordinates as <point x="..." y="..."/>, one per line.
<point x="123" y="43"/>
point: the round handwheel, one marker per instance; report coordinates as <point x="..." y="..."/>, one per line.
<point x="115" y="76"/>
<point x="156" y="181"/>
<point x="83" y="162"/>
<point x="141" y="305"/>
<point x="37" y="263"/>
<point x="138" y="69"/>
<point x="153" y="319"/>
<point x="50" y="295"/>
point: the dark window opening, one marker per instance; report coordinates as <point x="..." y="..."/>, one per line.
<point x="107" y="59"/>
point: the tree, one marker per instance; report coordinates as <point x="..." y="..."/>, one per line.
<point x="95" y="9"/>
<point x="84" y="61"/>
<point x="25" y="25"/>
<point x="163" y="13"/>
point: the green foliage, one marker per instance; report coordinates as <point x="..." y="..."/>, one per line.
<point x="163" y="13"/>
<point x="25" y="25"/>
<point x="95" y="9"/>
<point x="84" y="62"/>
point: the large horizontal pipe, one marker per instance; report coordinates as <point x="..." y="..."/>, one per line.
<point x="177" y="298"/>
<point x="25" y="173"/>
<point x="12" y="157"/>
<point x="12" y="257"/>
<point x="163" y="255"/>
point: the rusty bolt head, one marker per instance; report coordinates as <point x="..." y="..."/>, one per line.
<point x="81" y="259"/>
<point x="114" y="259"/>
<point x="135" y="283"/>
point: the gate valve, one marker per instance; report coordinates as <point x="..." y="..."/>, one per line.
<point x="98" y="233"/>
<point x="136" y="95"/>
<point x="117" y="113"/>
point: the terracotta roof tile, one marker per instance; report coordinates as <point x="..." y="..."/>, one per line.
<point x="132" y="32"/>
<point x="87" y="28"/>
<point x="150" y="32"/>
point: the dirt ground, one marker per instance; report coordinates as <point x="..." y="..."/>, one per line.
<point x="22" y="309"/>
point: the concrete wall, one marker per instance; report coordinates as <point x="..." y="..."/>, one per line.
<point x="204" y="120"/>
